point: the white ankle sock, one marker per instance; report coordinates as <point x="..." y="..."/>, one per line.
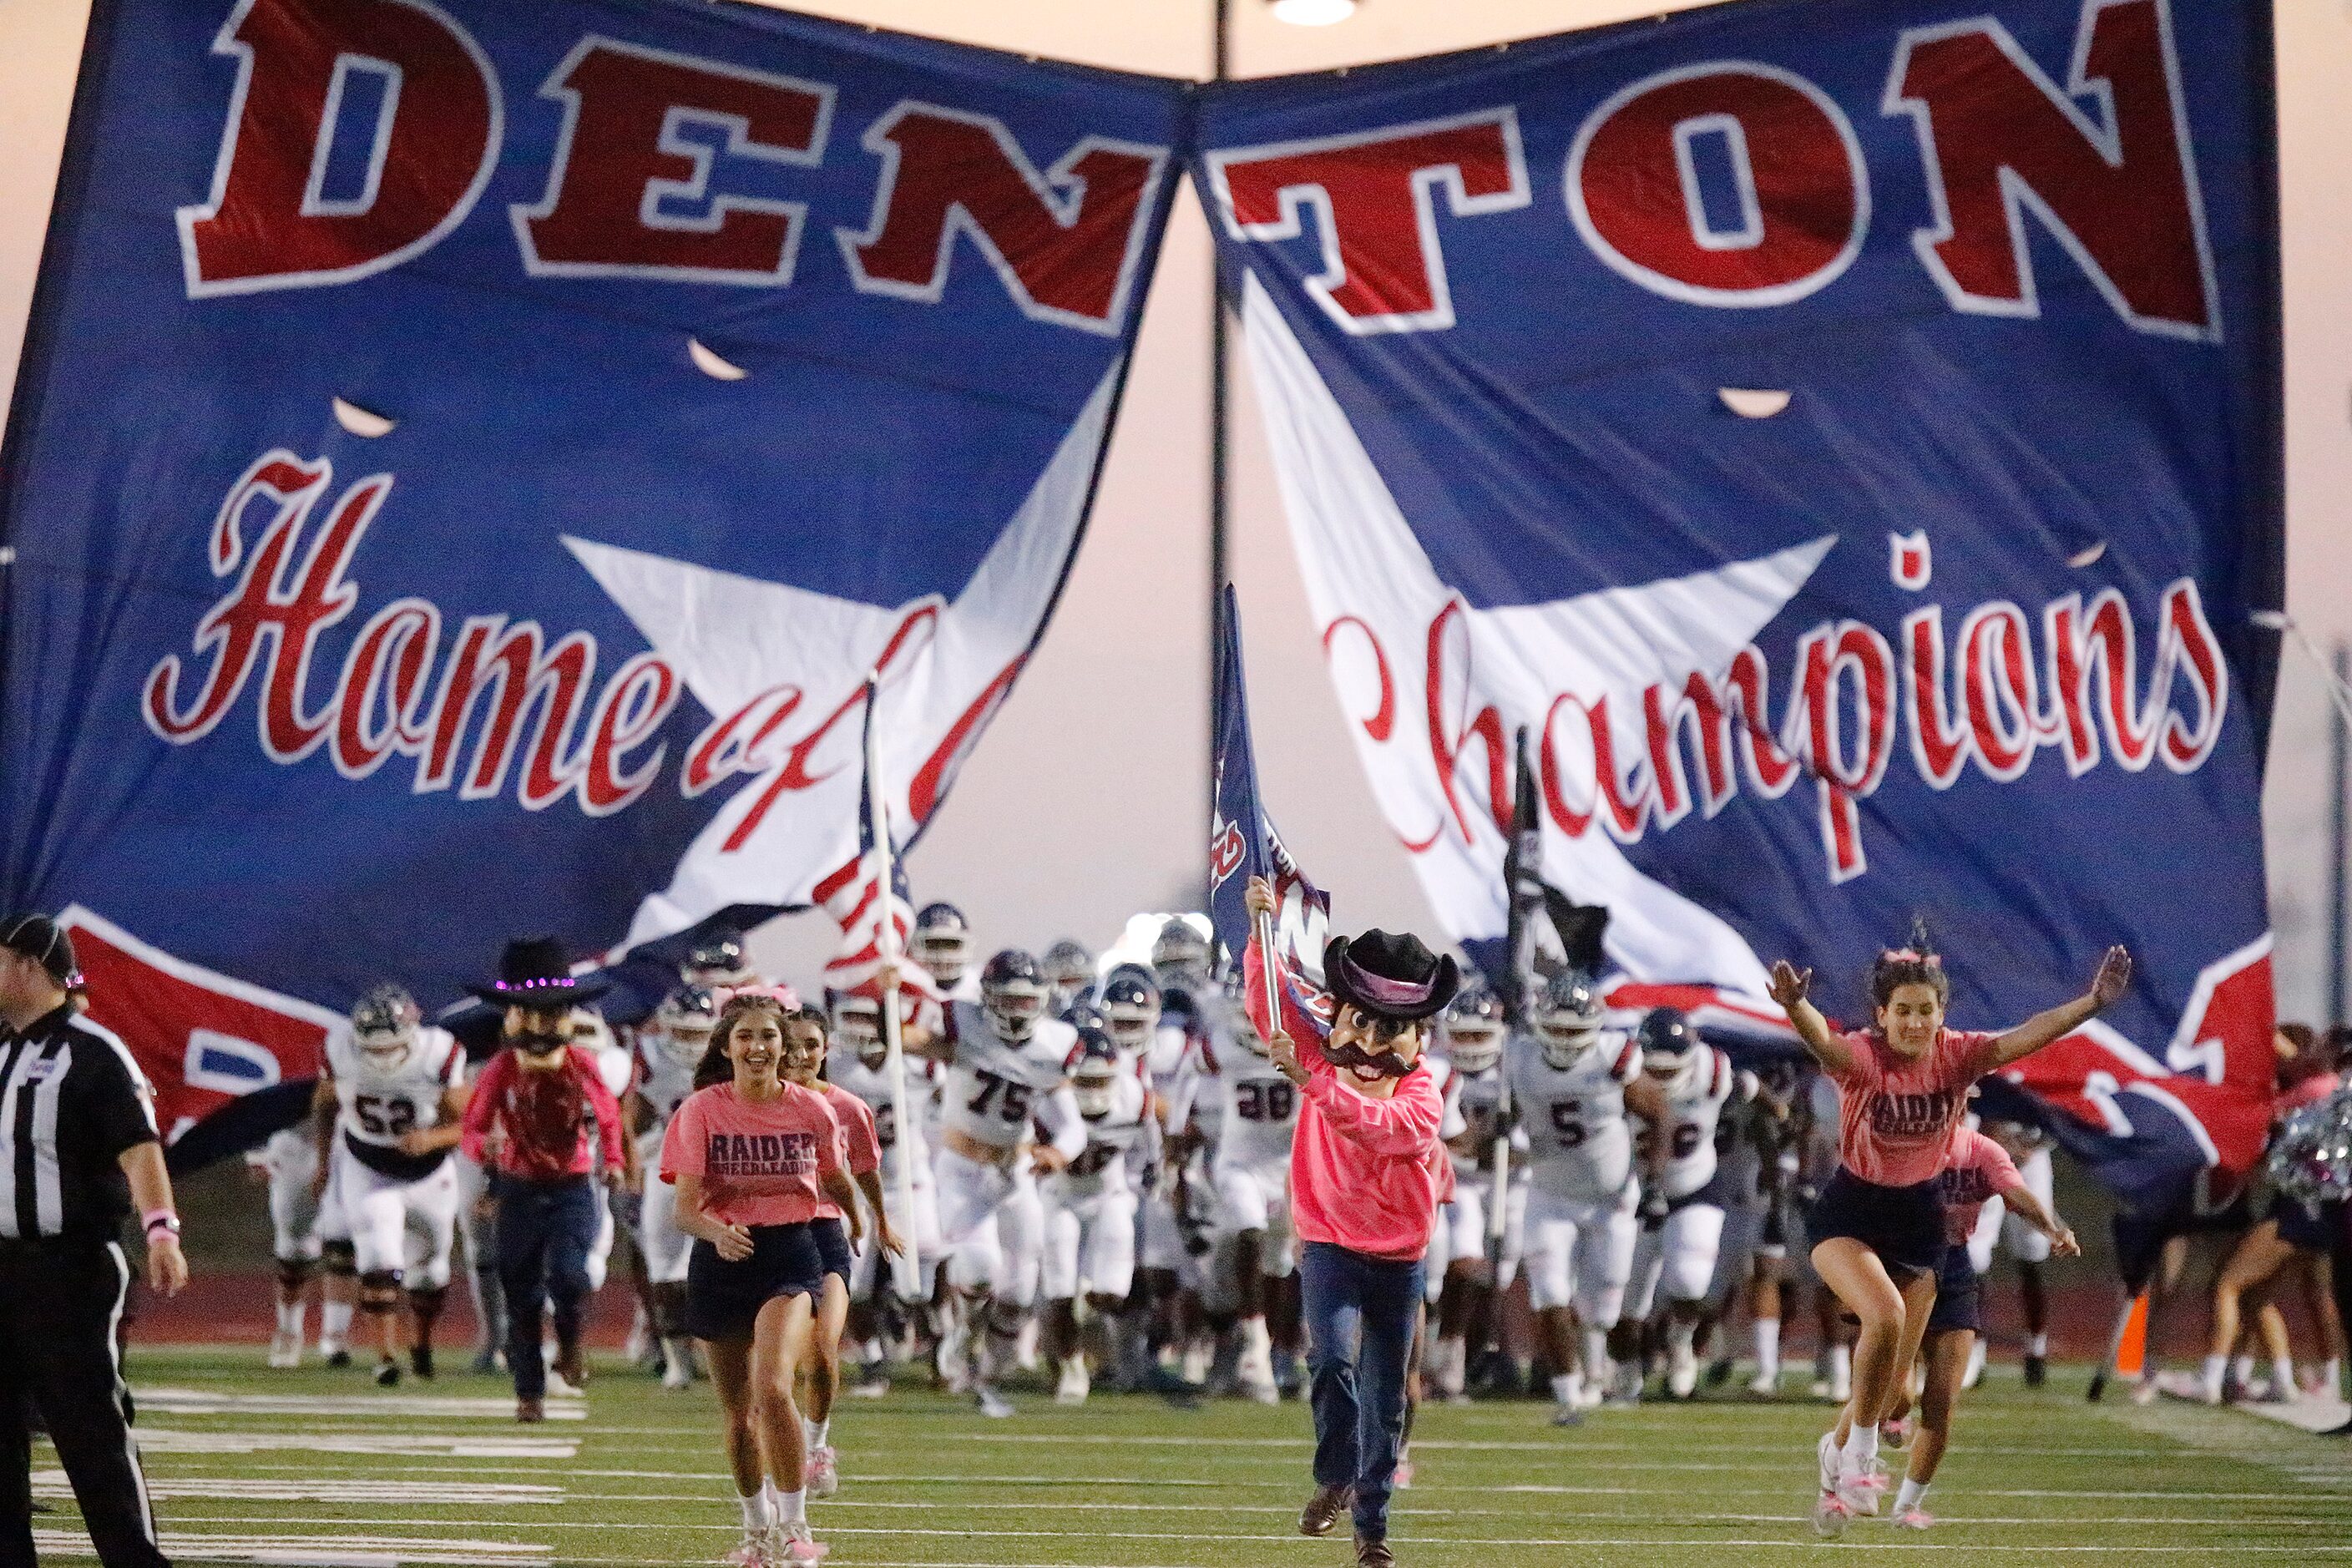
<point x="2283" y="1374"/>
<point x="2244" y="1369"/>
<point x="818" y="1432"/>
<point x="1564" y="1387"/>
<point x="792" y="1507"/>
<point x="2217" y="1367"/>
<point x="1910" y="1494"/>
<point x="2037" y="1344"/>
<point x="1861" y="1450"/>
<point x="1767" y="1346"/>
<point x="290" y="1317"/>
<point x="335" y="1321"/>
<point x="757" y="1514"/>
<point x="1840" y="1363"/>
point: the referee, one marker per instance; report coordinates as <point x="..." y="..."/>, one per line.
<point x="77" y="1152"/>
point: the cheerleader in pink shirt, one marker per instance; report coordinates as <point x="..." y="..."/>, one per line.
<point x="1878" y="1225"/>
<point x="753" y="1158"/>
<point x="1979" y="1172"/>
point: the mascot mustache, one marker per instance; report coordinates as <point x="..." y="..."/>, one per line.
<point x="1387" y="1063"/>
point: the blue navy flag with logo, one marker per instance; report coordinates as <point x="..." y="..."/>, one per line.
<point x="1844" y="433"/>
<point x="1243" y="844"/>
<point x="470" y="455"/>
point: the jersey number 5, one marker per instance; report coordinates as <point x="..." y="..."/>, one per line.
<point x="1568" y="1122"/>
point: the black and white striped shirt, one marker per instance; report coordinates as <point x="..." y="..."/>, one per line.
<point x="71" y="1101"/>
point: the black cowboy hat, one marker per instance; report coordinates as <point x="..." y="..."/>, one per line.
<point x="534" y="973"/>
<point x="1389" y="975"/>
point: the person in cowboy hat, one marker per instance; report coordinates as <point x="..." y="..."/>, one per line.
<point x="1368" y="1171"/>
<point x="538" y="1095"/>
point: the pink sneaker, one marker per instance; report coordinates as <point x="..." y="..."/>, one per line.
<point x="1402" y="1478"/>
<point x="1914" y="1518"/>
<point x="1831" y="1516"/>
<point x="793" y="1543"/>
<point x="1896" y="1433"/>
<point x="822" y="1476"/>
<point x="1860" y="1491"/>
<point x="752" y="1553"/>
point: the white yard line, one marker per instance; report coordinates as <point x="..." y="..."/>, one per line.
<point x="214" y="1401"/>
<point x="177" y="1440"/>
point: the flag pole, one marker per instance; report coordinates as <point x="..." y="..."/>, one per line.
<point x="907" y="1267"/>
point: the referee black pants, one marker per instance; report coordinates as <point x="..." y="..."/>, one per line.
<point x="61" y="1301"/>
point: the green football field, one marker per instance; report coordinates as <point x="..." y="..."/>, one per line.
<point x="314" y="1467"/>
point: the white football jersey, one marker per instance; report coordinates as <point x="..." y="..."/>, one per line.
<point x="1579" y="1146"/>
<point x="1112" y="1142"/>
<point x="1255" y="1111"/>
<point x="872" y="1085"/>
<point x="1475" y="1103"/>
<point x="663" y="1080"/>
<point x="377" y="1103"/>
<point x="994" y="1086"/>
<point x="1693" y="1114"/>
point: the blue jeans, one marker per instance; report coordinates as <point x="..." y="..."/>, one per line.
<point x="546" y="1230"/>
<point x="1360" y="1318"/>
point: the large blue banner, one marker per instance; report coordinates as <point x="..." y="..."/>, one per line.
<point x="470" y="455"/>
<point x="1846" y="433"/>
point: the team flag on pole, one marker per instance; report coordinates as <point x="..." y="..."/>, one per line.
<point x="1243" y="844"/>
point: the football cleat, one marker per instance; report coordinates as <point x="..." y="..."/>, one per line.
<point x="1914" y="1518"/>
<point x="285" y="1349"/>
<point x="873" y="1382"/>
<point x="1075" y="1383"/>
<point x="336" y="1354"/>
<point x="528" y="1410"/>
<point x="387" y="1372"/>
<point x="993" y="1405"/>
<point x="677" y="1364"/>
<point x="1567" y="1415"/>
<point x="823" y="1475"/>
<point x="1681" y="1373"/>
<point x="420" y="1360"/>
<point x="1764" y="1385"/>
<point x="2037" y="1372"/>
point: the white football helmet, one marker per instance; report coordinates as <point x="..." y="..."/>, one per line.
<point x="684" y="1024"/>
<point x="1472" y="1031"/>
<point x="384" y="1023"/>
<point x="1567" y="1019"/>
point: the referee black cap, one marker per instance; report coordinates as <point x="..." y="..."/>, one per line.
<point x="42" y="939"/>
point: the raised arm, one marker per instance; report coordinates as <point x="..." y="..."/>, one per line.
<point x="2113" y="978"/>
<point x="1789" y="985"/>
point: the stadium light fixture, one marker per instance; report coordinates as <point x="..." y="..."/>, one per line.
<point x="1313" y="13"/>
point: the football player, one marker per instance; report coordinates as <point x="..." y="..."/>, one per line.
<point x="1679" y="1250"/>
<point x="1007" y="1066"/>
<point x="286" y="1165"/>
<point x="1253" y="1111"/>
<point x="1757" y="1157"/>
<point x="670" y="1047"/>
<point x="1470" y="1036"/>
<point x="1572" y="1083"/>
<point x="941" y="945"/>
<point x="2029" y="1147"/>
<point x="396" y="1086"/>
<point x="717" y="963"/>
<point x="1070" y="971"/>
<point x="1090" y="1207"/>
<point x="858" y="1062"/>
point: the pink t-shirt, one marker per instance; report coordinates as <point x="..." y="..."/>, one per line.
<point x="860" y="1147"/>
<point x="1895" y="1116"/>
<point x="1979" y="1172"/>
<point x="760" y="1163"/>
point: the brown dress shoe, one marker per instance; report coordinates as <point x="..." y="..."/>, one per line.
<point x="570" y="1365"/>
<point x="1372" y="1551"/>
<point x="530" y="1409"/>
<point x="1323" y="1510"/>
